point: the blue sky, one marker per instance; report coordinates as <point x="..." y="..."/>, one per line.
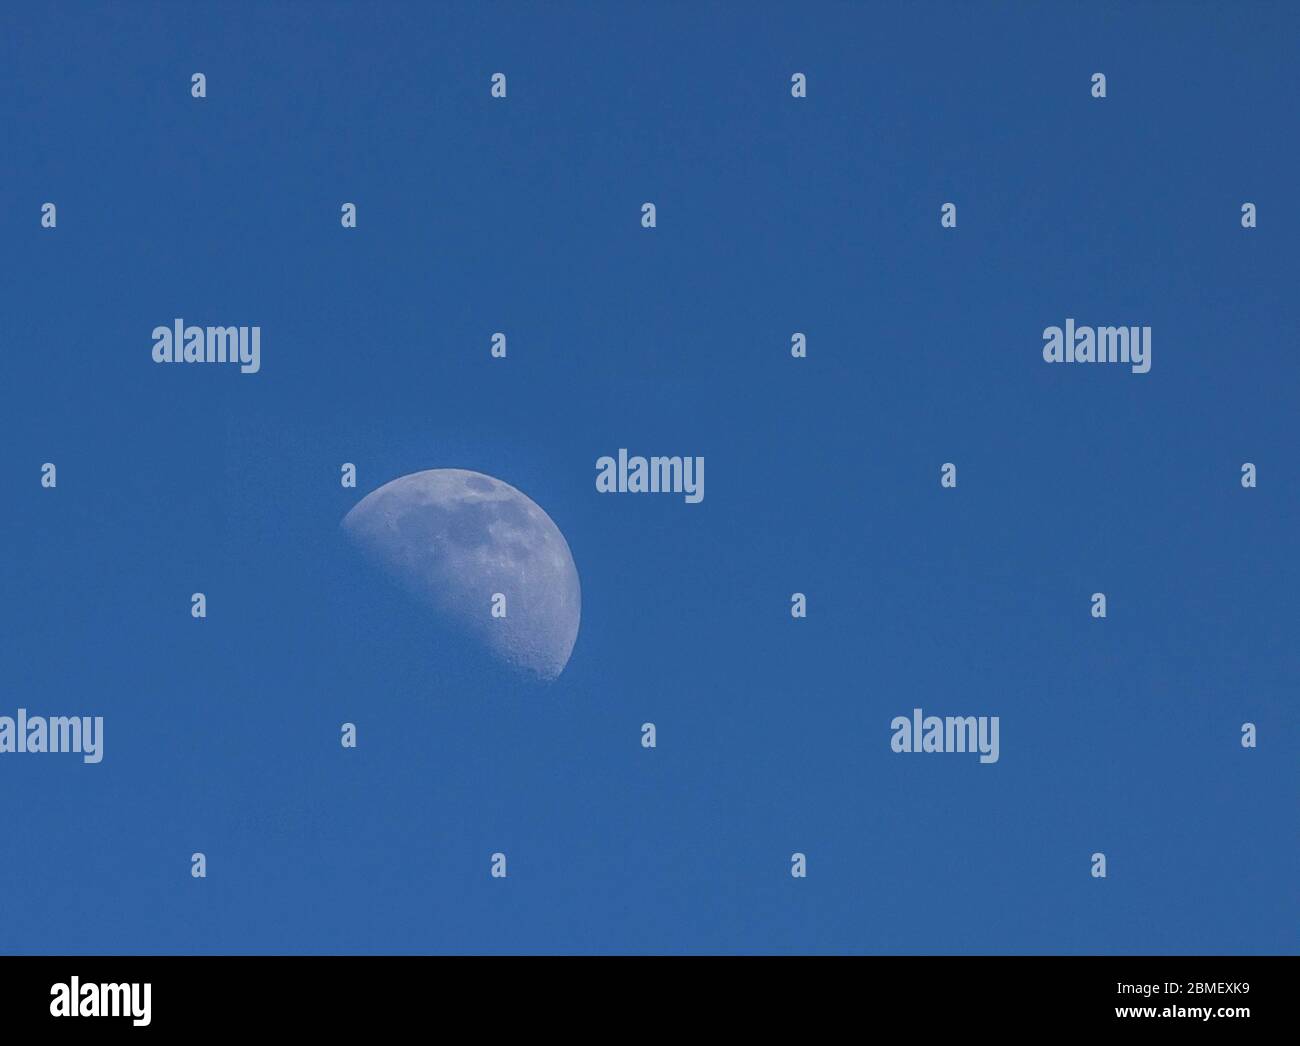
<point x="775" y="215"/>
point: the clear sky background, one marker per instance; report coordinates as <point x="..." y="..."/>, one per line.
<point x="775" y="215"/>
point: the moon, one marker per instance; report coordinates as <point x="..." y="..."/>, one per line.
<point x="455" y="539"/>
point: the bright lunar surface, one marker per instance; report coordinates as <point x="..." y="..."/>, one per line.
<point x="455" y="539"/>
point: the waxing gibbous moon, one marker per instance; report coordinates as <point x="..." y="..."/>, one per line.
<point x="455" y="539"/>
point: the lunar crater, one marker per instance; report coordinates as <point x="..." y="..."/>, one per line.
<point x="454" y="539"/>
